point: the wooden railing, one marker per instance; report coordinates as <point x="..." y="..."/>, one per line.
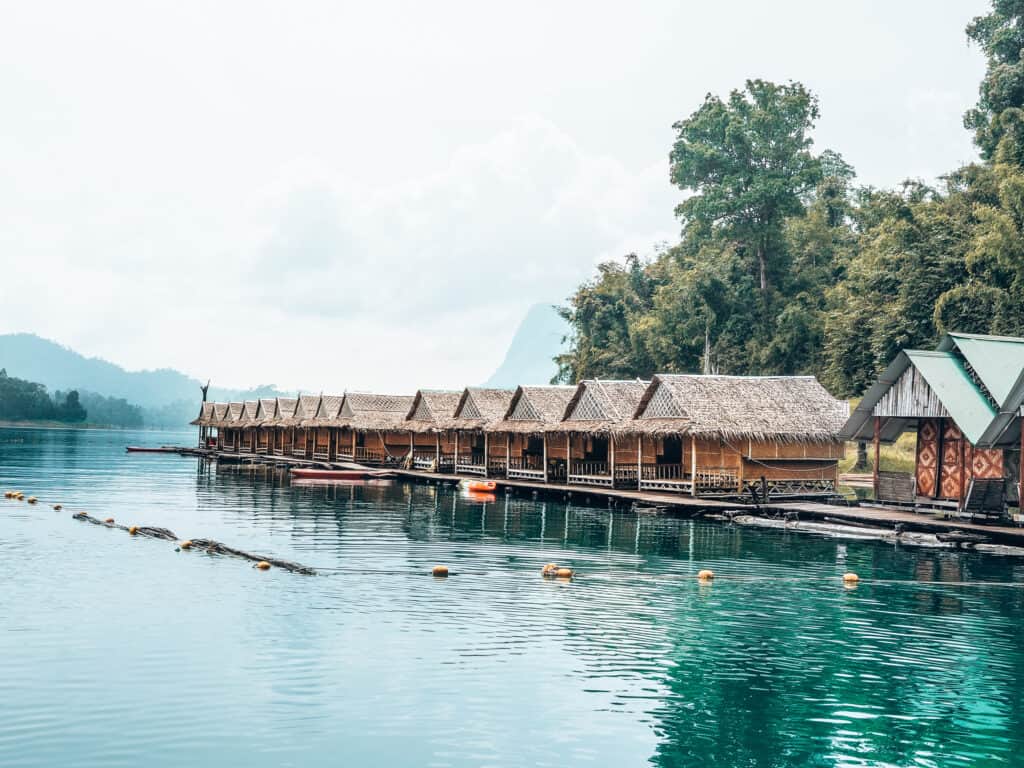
<point x="662" y="472"/>
<point x="322" y="452"/>
<point x="470" y="464"/>
<point x="526" y="467"/>
<point x="590" y="473"/>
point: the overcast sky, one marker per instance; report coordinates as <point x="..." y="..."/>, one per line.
<point x="370" y="195"/>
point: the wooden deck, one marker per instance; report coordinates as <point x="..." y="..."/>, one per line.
<point x="880" y="516"/>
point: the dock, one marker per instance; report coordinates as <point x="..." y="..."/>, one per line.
<point x="879" y="516"/>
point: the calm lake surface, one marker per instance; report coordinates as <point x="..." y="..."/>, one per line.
<point x="120" y="651"/>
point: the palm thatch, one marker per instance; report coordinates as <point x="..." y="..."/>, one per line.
<point x="777" y="408"/>
<point x="534" y="410"/>
<point x="478" y="408"/>
<point x="366" y="412"/>
<point x="284" y="408"/>
<point x="326" y="412"/>
<point x="306" y="407"/>
<point x="431" y="409"/>
<point x="265" y="411"/>
<point x="205" y="416"/>
<point x="231" y="415"/>
<point x="600" y="407"/>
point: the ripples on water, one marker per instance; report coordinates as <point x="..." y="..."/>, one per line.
<point x="119" y="651"/>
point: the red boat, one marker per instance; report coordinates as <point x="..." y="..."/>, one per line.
<point x="338" y="474"/>
<point x="141" y="449"/>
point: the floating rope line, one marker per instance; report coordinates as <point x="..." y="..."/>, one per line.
<point x="153" y="532"/>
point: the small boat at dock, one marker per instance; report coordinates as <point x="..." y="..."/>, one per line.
<point x="306" y="473"/>
<point x="152" y="449"/>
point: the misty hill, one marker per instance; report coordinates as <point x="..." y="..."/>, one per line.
<point x="529" y="359"/>
<point x="167" y="397"/>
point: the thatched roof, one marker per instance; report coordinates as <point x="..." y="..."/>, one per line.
<point x="783" y="408"/>
<point x="265" y="411"/>
<point x="305" y="409"/>
<point x="431" y="409"/>
<point x="232" y="415"/>
<point x="326" y="413"/>
<point x="479" y="407"/>
<point x="601" y="407"/>
<point x="367" y="412"/>
<point x="205" y="415"/>
<point x="284" y="409"/>
<point x="248" y="417"/>
<point x="534" y="410"/>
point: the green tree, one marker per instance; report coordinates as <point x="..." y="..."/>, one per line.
<point x="1000" y="35"/>
<point x="749" y="164"/>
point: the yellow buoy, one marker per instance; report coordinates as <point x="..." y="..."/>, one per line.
<point x="7" y="494"/>
<point x="549" y="570"/>
<point x="133" y="530"/>
<point x="186" y="544"/>
<point x="706" y="575"/>
<point x="32" y="499"/>
<point x="850" y="578"/>
<point x="564" y="573"/>
<point x="109" y="520"/>
<point x="263" y="565"/>
<point x="440" y="570"/>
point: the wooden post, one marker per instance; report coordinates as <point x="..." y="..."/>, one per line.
<point x="353" y="445"/>
<point x="455" y="465"/>
<point x="693" y="465"/>
<point x="961" y="492"/>
<point x="611" y="463"/>
<point x="487" y="457"/>
<point x="544" y="450"/>
<point x="876" y="438"/>
<point x="639" y="459"/>
<point x="1020" y="480"/>
<point x="508" y="452"/>
<point x="437" y="451"/>
<point x="568" y="456"/>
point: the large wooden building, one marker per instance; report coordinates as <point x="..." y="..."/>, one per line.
<point x="770" y="436"/>
<point x="429" y="423"/>
<point x="532" y="414"/>
<point x="963" y="402"/>
<point x="371" y="428"/>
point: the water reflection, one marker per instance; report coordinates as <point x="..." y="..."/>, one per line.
<point x="375" y="662"/>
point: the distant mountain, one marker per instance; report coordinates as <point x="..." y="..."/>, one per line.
<point x="167" y="397"/>
<point x="529" y="359"/>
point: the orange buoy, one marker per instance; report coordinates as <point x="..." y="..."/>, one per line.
<point x="850" y="578"/>
<point x="32" y="499"/>
<point x="133" y="530"/>
<point x="109" y="520"/>
<point x="58" y="507"/>
<point x="263" y="565"/>
<point x="564" y="573"/>
<point x="440" y="570"/>
<point x="481" y="486"/>
<point x="186" y="544"/>
<point x="706" y="575"/>
<point x="549" y="570"/>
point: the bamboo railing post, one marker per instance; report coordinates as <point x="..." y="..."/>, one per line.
<point x="544" y="451"/>
<point x="437" y="451"/>
<point x="455" y="465"/>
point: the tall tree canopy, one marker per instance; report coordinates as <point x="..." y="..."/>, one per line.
<point x="1000" y="34"/>
<point x="784" y="266"/>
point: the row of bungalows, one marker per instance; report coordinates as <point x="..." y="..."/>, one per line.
<point x="702" y="435"/>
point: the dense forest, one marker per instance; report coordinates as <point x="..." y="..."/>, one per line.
<point x="786" y="265"/>
<point x="22" y="400"/>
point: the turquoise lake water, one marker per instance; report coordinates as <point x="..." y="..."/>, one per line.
<point x="117" y="650"/>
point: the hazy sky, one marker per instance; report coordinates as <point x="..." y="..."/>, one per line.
<point x="371" y="194"/>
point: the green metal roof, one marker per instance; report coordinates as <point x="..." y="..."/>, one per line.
<point x="967" y="405"/>
<point x="998" y="361"/>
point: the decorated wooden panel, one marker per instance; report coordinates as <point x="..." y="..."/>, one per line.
<point x="927" y="457"/>
<point x="986" y="463"/>
<point x="951" y="472"/>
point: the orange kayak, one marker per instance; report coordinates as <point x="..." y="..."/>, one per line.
<point x="484" y="486"/>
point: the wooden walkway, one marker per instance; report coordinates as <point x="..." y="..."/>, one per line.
<point x="878" y="516"/>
